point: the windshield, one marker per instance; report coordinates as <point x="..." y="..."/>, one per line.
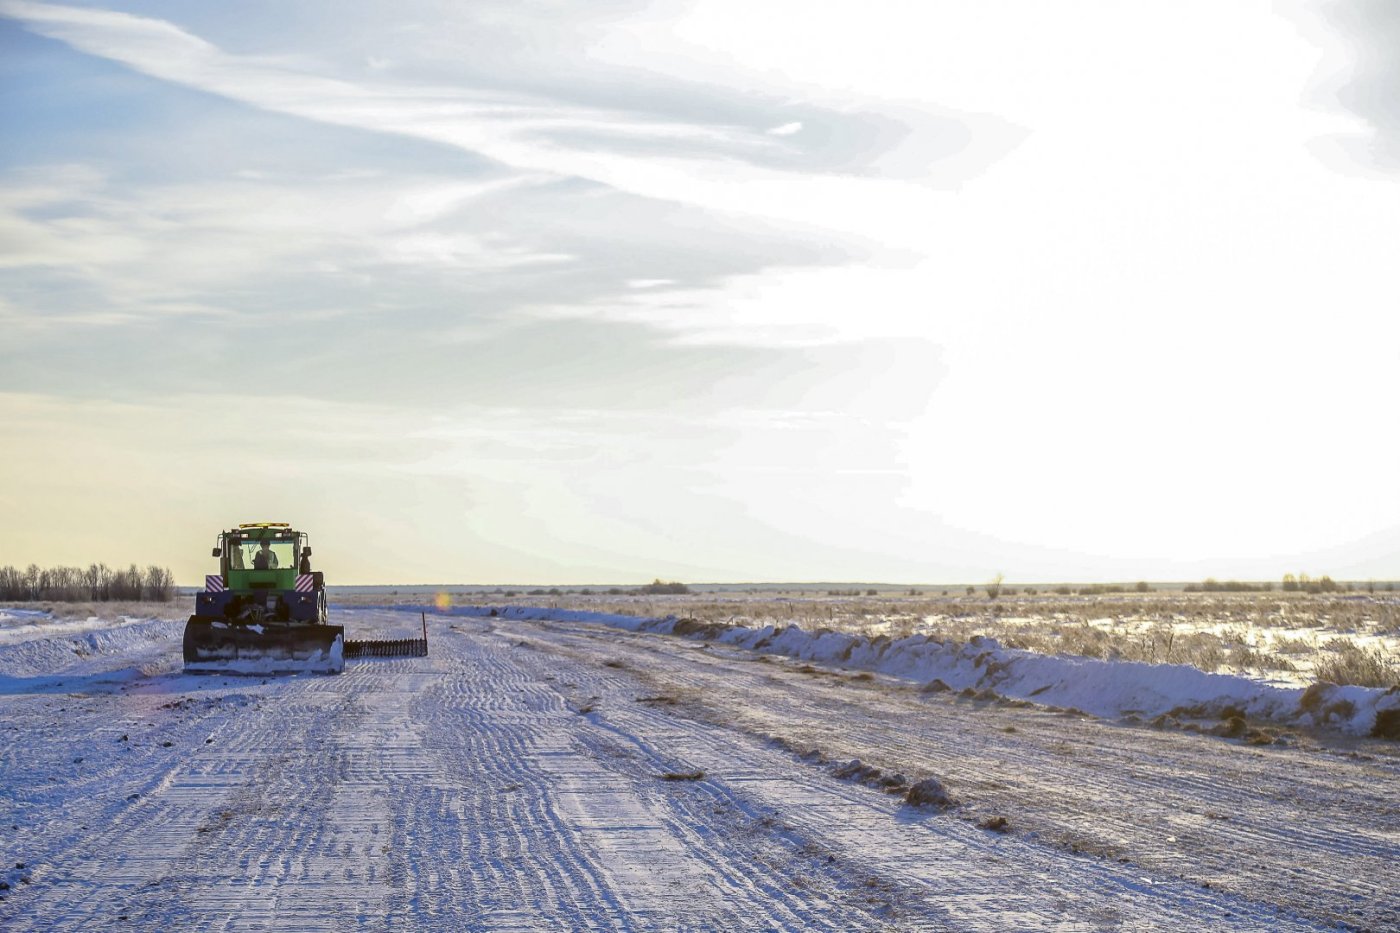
<point x="262" y="555"/>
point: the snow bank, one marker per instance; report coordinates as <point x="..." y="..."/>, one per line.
<point x="1104" y="688"/>
<point x="38" y="656"/>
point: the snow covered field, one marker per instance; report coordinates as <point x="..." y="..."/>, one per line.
<point x="557" y="772"/>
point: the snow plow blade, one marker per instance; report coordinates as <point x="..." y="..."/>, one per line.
<point x="214" y="646"/>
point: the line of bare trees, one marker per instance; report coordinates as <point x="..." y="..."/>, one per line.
<point x="97" y="583"/>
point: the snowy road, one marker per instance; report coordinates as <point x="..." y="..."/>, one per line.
<point x="515" y="780"/>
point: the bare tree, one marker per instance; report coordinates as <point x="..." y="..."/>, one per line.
<point x="31" y="581"/>
<point x="160" y="584"/>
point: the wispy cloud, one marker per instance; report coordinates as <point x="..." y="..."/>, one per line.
<point x="716" y="166"/>
<point x="129" y="252"/>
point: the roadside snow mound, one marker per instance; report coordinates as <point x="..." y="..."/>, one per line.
<point x="1104" y="688"/>
<point x="50" y="655"/>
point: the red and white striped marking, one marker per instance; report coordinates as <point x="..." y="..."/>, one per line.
<point x="214" y="583"/>
<point x="305" y="583"/>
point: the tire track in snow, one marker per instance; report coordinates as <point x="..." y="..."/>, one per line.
<point x="623" y="861"/>
<point x="940" y="870"/>
<point x="453" y="792"/>
<point x="1270" y="824"/>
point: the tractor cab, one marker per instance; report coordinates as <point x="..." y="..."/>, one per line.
<point x="262" y="555"/>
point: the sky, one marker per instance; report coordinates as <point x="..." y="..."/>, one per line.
<point x="544" y="292"/>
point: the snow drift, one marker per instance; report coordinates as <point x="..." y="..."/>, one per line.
<point x="42" y="652"/>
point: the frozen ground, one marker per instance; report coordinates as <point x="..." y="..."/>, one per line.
<point x="516" y="779"/>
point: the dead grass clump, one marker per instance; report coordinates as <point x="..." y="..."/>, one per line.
<point x="1085" y="640"/>
<point x="1294" y="646"/>
<point x="613" y="662"/>
<point x="996" y="824"/>
<point x="683" y="776"/>
<point x="1313" y="696"/>
<point x="1342" y="709"/>
<point x="1349" y="663"/>
<point x="935" y="686"/>
<point x="1387" y="724"/>
<point x="893" y="783"/>
<point x="1232" y="728"/>
<point x="695" y="627"/>
<point x="930" y="792"/>
<point x="856" y="770"/>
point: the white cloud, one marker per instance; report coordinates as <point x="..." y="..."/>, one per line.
<point x="520" y="131"/>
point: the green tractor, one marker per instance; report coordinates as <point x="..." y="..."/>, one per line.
<point x="264" y="612"/>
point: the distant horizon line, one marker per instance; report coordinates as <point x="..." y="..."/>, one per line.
<point x="829" y="584"/>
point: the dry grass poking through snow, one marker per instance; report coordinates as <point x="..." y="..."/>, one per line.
<point x="1349" y="663"/>
<point x="1284" y="637"/>
<point x="179" y="608"/>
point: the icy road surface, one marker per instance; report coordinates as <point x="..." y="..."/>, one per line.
<point x="514" y="780"/>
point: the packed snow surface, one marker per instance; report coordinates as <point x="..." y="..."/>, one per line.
<point x="552" y="772"/>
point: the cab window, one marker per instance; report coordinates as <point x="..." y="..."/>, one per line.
<point x="252" y="555"/>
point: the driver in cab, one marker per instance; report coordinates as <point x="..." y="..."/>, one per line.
<point x="265" y="559"/>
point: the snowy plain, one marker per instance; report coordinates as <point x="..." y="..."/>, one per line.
<point x="545" y="769"/>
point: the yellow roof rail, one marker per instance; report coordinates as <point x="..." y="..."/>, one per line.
<point x="265" y="525"/>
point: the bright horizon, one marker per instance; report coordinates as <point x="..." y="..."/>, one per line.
<point x="701" y="291"/>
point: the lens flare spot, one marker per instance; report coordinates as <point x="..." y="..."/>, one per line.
<point x="443" y="601"/>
